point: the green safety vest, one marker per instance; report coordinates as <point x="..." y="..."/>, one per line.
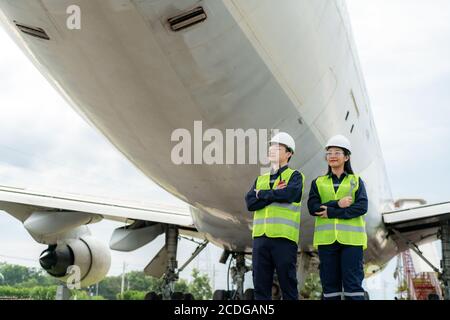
<point x="345" y="231"/>
<point x="277" y="220"/>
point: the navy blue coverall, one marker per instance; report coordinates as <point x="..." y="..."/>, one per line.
<point x="270" y="254"/>
<point x="341" y="266"/>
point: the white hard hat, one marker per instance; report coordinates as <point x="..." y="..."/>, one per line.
<point x="339" y="141"/>
<point x="284" y="138"/>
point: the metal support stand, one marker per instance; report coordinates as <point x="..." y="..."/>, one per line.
<point x="445" y="262"/>
<point x="62" y="292"/>
<point x="416" y="249"/>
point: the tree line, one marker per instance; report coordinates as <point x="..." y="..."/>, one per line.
<point x="20" y="282"/>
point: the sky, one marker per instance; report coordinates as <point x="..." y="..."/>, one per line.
<point x="403" y="49"/>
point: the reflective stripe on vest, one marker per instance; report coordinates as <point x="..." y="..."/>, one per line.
<point x="340" y="227"/>
<point x="277" y="220"/>
<point x="345" y="231"/>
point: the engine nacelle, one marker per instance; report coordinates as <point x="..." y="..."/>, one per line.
<point x="91" y="260"/>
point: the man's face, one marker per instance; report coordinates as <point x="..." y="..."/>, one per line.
<point x="278" y="153"/>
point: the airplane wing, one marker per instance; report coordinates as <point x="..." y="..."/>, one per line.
<point x="47" y="215"/>
<point x="21" y="202"/>
<point x="51" y="217"/>
<point x="418" y="225"/>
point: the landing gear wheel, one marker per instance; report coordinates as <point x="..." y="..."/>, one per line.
<point x="177" y="296"/>
<point x="151" y="296"/>
<point x="220" y="295"/>
<point x="188" y="296"/>
<point x="249" y="294"/>
<point x="433" y="296"/>
<point x="276" y="291"/>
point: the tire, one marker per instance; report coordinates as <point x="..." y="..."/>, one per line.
<point x="177" y="296"/>
<point x="276" y="291"/>
<point x="220" y="295"/>
<point x="188" y="296"/>
<point x="249" y="294"/>
<point x="433" y="296"/>
<point x="151" y="296"/>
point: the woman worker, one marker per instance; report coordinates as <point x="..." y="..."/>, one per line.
<point x="338" y="200"/>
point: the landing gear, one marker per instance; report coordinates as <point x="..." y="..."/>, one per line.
<point x="307" y="263"/>
<point x="221" y="295"/>
<point x="188" y="296"/>
<point x="249" y="294"/>
<point x="168" y="255"/>
<point x="237" y="273"/>
<point x="445" y="262"/>
<point x="276" y="289"/>
<point x="153" y="296"/>
<point x="177" y="296"/>
<point x="174" y="296"/>
<point x="171" y="274"/>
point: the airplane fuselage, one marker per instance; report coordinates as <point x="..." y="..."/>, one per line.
<point x="251" y="64"/>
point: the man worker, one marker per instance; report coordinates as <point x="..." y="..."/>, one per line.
<point x="275" y="198"/>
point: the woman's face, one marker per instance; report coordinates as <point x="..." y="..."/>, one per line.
<point x="335" y="157"/>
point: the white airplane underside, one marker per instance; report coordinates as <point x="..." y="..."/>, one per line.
<point x="289" y="65"/>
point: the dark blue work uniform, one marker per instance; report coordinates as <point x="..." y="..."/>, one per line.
<point x="270" y="254"/>
<point x="341" y="266"/>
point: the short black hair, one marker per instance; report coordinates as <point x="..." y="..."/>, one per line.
<point x="288" y="150"/>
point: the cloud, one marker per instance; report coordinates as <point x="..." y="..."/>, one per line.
<point x="404" y="55"/>
<point x="405" y="40"/>
<point x="403" y="49"/>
